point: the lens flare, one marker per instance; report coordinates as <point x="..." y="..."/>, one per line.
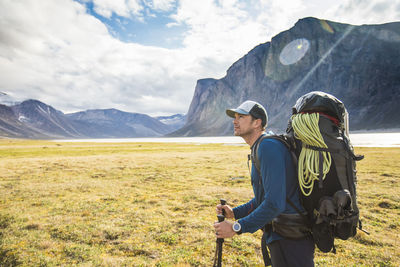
<point x="294" y="51"/>
<point x="326" y="26"/>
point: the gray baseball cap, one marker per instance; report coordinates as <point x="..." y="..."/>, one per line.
<point x="250" y="108"/>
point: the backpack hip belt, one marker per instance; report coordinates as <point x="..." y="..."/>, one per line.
<point x="291" y="226"/>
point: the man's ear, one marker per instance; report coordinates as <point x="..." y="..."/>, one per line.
<point x="257" y="123"/>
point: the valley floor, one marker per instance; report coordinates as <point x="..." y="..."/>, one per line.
<point x="153" y="204"/>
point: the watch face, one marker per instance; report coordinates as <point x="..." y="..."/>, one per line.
<point x="236" y="227"/>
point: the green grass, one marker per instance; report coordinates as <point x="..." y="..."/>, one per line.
<point x="131" y="204"/>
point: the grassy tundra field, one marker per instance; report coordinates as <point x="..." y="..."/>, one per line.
<point x="131" y="204"/>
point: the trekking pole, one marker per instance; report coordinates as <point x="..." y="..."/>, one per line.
<point x="220" y="241"/>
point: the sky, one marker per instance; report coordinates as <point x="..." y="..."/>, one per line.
<point x="145" y="56"/>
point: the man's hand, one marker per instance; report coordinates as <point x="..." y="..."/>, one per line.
<point x="228" y="211"/>
<point x="224" y="229"/>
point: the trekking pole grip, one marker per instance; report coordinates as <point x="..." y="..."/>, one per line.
<point x="223" y="202"/>
<point x="221" y="217"/>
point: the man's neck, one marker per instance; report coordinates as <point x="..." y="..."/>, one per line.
<point x="251" y="139"/>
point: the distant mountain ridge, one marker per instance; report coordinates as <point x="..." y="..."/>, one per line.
<point x="37" y="120"/>
<point x="176" y="121"/>
<point x="360" y="65"/>
<point x="118" y="124"/>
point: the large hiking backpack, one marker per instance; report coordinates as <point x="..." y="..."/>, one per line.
<point x="317" y="136"/>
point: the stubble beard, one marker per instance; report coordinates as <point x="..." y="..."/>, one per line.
<point x="242" y="134"/>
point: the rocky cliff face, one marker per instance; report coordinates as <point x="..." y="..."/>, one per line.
<point x="360" y="65"/>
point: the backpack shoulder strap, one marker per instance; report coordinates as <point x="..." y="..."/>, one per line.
<point x="282" y="138"/>
<point x="254" y="158"/>
<point x="254" y="153"/>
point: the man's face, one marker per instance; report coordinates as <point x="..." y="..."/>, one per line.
<point x="243" y="125"/>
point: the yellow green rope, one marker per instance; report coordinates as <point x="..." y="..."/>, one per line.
<point x="306" y="129"/>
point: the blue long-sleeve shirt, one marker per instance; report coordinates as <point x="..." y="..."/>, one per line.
<point x="278" y="181"/>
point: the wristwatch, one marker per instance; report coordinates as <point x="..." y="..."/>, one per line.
<point x="237" y="228"/>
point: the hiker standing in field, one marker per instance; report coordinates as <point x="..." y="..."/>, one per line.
<point x="275" y="206"/>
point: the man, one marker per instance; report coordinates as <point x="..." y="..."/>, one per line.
<point x="275" y="190"/>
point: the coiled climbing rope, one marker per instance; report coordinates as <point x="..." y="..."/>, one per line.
<point x="306" y="129"/>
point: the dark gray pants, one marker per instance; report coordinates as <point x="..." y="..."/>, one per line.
<point x="292" y="253"/>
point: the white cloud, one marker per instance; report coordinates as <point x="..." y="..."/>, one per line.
<point x="134" y="6"/>
<point x="359" y="12"/>
<point x="123" y="8"/>
<point x="162" y="5"/>
<point x="67" y="58"/>
<point x="56" y="52"/>
<point x="218" y="31"/>
<point x="131" y="8"/>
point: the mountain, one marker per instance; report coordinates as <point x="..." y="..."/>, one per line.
<point x="7" y="100"/>
<point x="113" y="123"/>
<point x="45" y="119"/>
<point x="360" y="65"/>
<point x="37" y="120"/>
<point x="175" y="121"/>
<point x="11" y="127"/>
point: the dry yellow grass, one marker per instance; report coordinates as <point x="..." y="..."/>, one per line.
<point x="131" y="204"/>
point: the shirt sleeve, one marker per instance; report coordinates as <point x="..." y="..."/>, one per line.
<point x="271" y="154"/>
<point x="244" y="210"/>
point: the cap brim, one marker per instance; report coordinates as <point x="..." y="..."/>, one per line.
<point x="231" y="112"/>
